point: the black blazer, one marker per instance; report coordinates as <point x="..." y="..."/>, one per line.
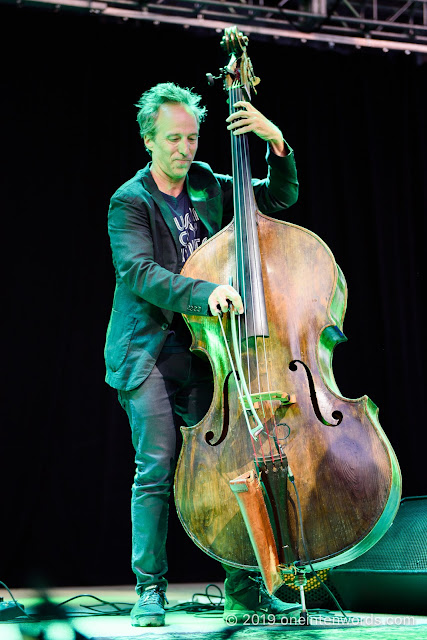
<point x="146" y="258"/>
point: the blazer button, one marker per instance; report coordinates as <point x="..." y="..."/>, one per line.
<point x="165" y="326"/>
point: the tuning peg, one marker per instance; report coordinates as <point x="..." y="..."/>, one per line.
<point x="211" y="79"/>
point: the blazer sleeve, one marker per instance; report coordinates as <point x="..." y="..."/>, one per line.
<point x="133" y="256"/>
<point x="279" y="190"/>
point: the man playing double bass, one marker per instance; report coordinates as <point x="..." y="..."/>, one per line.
<point x="155" y="221"/>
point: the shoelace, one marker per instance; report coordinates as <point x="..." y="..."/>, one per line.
<point x="263" y="595"/>
<point x="154" y="595"/>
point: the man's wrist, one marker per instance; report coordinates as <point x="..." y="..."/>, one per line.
<point x="278" y="146"/>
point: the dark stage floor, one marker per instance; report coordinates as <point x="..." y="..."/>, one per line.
<point x="103" y="623"/>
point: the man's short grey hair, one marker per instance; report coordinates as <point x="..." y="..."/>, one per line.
<point x="163" y="93"/>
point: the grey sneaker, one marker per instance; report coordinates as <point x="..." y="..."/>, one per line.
<point x="249" y="598"/>
<point x="149" y="611"/>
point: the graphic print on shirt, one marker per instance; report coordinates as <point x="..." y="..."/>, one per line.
<point x="189" y="228"/>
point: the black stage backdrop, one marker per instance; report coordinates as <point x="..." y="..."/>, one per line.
<point x="356" y="120"/>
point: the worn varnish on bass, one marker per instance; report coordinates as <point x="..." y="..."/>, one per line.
<point x="346" y="473"/>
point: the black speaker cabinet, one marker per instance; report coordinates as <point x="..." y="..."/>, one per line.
<point x="392" y="576"/>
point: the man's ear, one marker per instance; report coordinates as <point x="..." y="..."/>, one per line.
<point x="148" y="143"/>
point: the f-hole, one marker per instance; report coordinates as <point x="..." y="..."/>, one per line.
<point x="337" y="415"/>
<point x="226" y="422"/>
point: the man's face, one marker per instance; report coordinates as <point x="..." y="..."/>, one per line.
<point x="175" y="143"/>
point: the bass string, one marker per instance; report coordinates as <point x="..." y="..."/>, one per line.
<point x="237" y="221"/>
<point x="238" y="189"/>
<point x="248" y="206"/>
<point x="253" y="231"/>
<point x="239" y="172"/>
<point x="241" y="207"/>
<point x="244" y="201"/>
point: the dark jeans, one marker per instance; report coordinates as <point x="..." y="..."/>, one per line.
<point x="178" y="391"/>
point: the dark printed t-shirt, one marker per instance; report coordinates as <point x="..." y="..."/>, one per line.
<point x="192" y="233"/>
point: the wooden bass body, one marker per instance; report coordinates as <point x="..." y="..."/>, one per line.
<point x="345" y="469"/>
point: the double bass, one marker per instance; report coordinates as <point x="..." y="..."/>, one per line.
<point x="283" y="473"/>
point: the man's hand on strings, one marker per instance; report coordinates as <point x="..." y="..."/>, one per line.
<point x="220" y="299"/>
<point x="247" y="119"/>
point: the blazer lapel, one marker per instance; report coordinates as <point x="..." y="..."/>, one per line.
<point x="208" y="209"/>
<point x="162" y="204"/>
<point x="200" y="204"/>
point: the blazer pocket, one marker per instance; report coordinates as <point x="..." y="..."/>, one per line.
<point x="119" y="336"/>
